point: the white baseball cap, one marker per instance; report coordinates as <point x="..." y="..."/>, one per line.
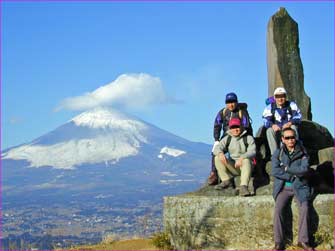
<point x="279" y="90"/>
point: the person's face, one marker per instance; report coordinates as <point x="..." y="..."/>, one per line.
<point x="231" y="106"/>
<point x="235" y="130"/>
<point x="289" y="139"/>
<point x="280" y="99"/>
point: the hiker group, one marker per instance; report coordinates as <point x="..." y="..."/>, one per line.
<point x="234" y="154"/>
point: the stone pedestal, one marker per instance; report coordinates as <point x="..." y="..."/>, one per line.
<point x="240" y="223"/>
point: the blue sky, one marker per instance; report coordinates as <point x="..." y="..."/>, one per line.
<point x="56" y="52"/>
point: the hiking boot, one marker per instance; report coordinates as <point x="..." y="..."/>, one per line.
<point x="244" y="191"/>
<point x="223" y="185"/>
<point x="279" y="246"/>
<point x="305" y="246"/>
<point x="212" y="179"/>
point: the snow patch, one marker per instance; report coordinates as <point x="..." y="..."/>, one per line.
<point x="166" y="182"/>
<point x="102" y="196"/>
<point x="50" y="185"/>
<point x="171" y="152"/>
<point x="168" y="174"/>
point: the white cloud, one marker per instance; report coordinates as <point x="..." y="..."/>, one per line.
<point x="128" y="91"/>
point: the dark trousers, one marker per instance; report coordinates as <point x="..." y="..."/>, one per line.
<point x="283" y="199"/>
<point x="213" y="164"/>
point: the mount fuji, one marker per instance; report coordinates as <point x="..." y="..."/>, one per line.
<point x="102" y="155"/>
<point x="107" y="144"/>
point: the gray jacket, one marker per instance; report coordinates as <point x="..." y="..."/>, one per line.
<point x="297" y="168"/>
<point x="237" y="147"/>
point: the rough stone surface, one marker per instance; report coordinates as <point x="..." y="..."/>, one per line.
<point x="284" y="62"/>
<point x="326" y="154"/>
<point x="221" y="222"/>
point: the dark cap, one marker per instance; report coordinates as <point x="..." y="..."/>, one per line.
<point x="231" y="98"/>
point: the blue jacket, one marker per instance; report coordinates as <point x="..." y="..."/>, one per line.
<point x="222" y="120"/>
<point x="289" y="112"/>
<point x="297" y="167"/>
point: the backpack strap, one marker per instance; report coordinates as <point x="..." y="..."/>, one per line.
<point x="289" y="108"/>
<point x="240" y="115"/>
<point x="228" y="142"/>
<point x="245" y="141"/>
<point x="224" y="111"/>
<point x="224" y="120"/>
<point x="273" y="110"/>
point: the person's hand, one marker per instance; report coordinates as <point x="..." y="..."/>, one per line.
<point x="238" y="163"/>
<point x="287" y="125"/>
<point x="276" y="128"/>
<point x="223" y="158"/>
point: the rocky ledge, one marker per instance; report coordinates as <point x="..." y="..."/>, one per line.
<point x="239" y="223"/>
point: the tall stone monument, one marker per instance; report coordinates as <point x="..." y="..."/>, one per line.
<point x="283" y="60"/>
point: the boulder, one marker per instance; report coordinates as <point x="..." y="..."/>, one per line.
<point x="315" y="137"/>
<point x="283" y="60"/>
<point x="326" y="154"/>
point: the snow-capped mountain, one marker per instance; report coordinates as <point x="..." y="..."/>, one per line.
<point x="99" y="135"/>
<point x="95" y="136"/>
<point x="105" y="143"/>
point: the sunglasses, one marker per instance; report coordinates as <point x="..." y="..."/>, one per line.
<point x="234" y="127"/>
<point x="280" y="96"/>
<point x="289" y="137"/>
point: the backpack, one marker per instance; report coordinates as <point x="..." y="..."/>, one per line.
<point x="245" y="141"/>
<point x="242" y="108"/>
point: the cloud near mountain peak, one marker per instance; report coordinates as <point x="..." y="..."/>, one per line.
<point x="130" y="91"/>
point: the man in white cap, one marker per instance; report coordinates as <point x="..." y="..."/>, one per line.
<point x="280" y="115"/>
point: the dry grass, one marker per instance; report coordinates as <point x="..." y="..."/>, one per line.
<point x="134" y="244"/>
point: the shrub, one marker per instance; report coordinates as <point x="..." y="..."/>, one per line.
<point x="109" y="238"/>
<point x="161" y="240"/>
<point x="324" y="238"/>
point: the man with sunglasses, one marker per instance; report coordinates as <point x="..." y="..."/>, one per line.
<point x="233" y="109"/>
<point x="290" y="165"/>
<point x="280" y="115"/>
<point x="233" y="157"/>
